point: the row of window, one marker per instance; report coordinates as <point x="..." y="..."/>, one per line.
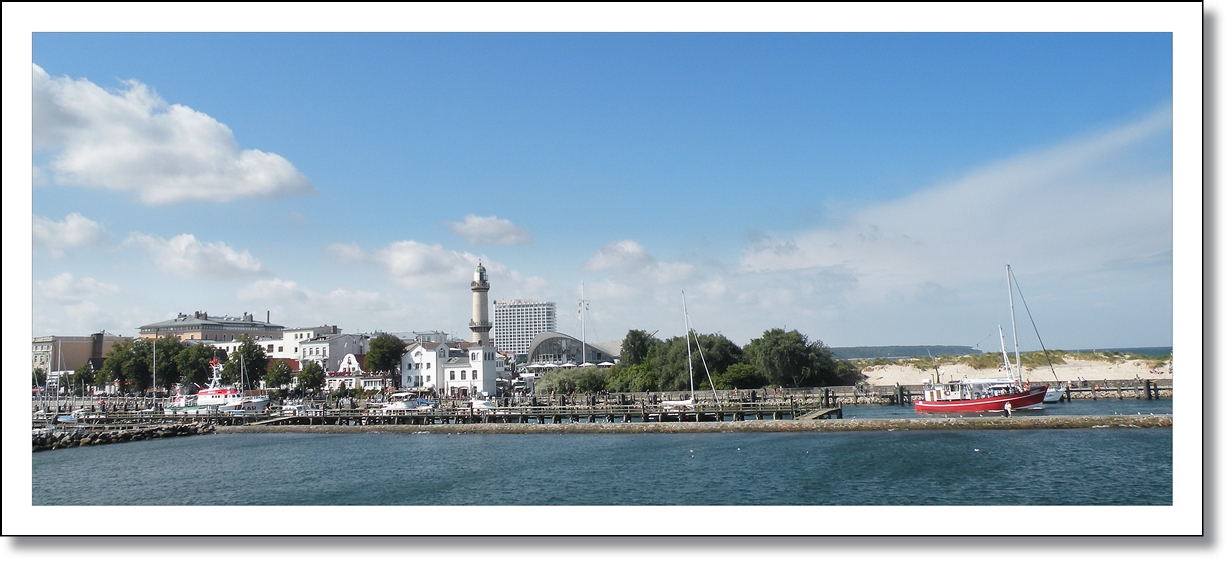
<point x="452" y="375"/>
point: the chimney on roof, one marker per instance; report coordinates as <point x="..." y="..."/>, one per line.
<point x="268" y="316"/>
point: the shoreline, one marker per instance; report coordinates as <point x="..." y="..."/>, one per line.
<point x="823" y="425"/>
<point x="1071" y="370"/>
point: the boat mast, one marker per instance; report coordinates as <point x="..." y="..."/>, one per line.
<point x="690" y="369"/>
<point x="1014" y="333"/>
<point x="1005" y="359"/>
<point x="60" y="359"/>
<point x="153" y="377"/>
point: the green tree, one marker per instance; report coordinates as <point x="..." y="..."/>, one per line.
<point x="81" y="377"/>
<point x="670" y="363"/>
<point x="591" y="379"/>
<point x="719" y="353"/>
<point x="278" y="376"/>
<point x="168" y="349"/>
<point x="588" y="379"/>
<point x="638" y="378"/>
<point x="40" y="377"/>
<point x="790" y="358"/>
<point x="384" y="355"/>
<point x="250" y="357"/>
<point x="129" y="363"/>
<point x="193" y="364"/>
<point x="740" y="375"/>
<point x="311" y="378"/>
<point x="636" y="346"/>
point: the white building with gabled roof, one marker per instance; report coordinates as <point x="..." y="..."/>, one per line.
<point x="329" y="350"/>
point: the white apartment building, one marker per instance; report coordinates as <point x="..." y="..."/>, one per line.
<point x="329" y="350"/>
<point x="420" y="363"/>
<point x="517" y="322"/>
<point x="287" y="346"/>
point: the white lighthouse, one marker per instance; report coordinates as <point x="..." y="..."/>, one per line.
<point x="476" y="374"/>
<point x="479" y="324"/>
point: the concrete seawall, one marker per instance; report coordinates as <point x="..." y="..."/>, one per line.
<point x="832" y="425"/>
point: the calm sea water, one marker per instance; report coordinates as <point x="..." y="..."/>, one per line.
<point x="1111" y="466"/>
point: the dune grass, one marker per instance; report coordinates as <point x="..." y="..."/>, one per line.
<point x="1032" y="359"/>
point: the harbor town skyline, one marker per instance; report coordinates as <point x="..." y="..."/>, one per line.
<point x="863" y="187"/>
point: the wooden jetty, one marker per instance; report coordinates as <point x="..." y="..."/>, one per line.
<point x="729" y="406"/>
<point x="528" y="414"/>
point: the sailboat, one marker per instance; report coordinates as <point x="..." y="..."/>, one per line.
<point x="985" y="394"/>
<point x="689" y="403"/>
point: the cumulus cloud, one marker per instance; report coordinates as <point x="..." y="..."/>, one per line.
<point x="286" y="292"/>
<point x="490" y="230"/>
<point x="186" y="257"/>
<point x="432" y="267"/>
<point x="418" y="265"/>
<point x="67" y="289"/>
<point x="132" y="140"/>
<point x="293" y="304"/>
<point x="75" y="231"/>
<point x="630" y="259"/>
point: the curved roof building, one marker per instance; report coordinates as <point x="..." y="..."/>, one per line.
<point x="557" y="349"/>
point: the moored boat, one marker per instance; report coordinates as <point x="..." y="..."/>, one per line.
<point x="1054" y="394"/>
<point x="986" y="394"/>
<point x="218" y="397"/>
<point x="979" y="395"/>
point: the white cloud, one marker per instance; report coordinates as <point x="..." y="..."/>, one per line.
<point x="490" y="230"/>
<point x="627" y="258"/>
<point x="1067" y="208"/>
<point x="74" y="232"/>
<point x="66" y="289"/>
<point x="345" y="253"/>
<point x="186" y="257"/>
<point x="289" y="294"/>
<point x="417" y="265"/>
<point x="133" y="141"/>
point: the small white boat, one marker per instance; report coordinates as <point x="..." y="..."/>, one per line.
<point x="1055" y="392"/>
<point x="482" y="404"/>
<point x="411" y="401"/>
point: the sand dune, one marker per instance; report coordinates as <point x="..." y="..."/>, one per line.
<point x="1073" y="370"/>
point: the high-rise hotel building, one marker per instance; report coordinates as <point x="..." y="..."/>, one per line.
<point x="517" y="322"/>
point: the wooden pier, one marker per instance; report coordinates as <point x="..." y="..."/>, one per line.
<point x="551" y="414"/>
<point x="729" y="406"/>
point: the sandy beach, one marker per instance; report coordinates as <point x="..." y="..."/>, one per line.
<point x="1071" y="371"/>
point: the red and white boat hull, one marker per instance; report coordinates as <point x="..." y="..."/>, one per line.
<point x="1030" y="398"/>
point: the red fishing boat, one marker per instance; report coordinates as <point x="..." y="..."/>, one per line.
<point x="980" y="395"/>
<point x="985" y="394"/>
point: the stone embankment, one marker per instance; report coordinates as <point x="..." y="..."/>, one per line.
<point x="824" y="425"/>
<point x="88" y="436"/>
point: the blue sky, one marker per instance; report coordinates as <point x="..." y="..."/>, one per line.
<point x="863" y="188"/>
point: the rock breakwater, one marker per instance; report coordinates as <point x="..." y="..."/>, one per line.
<point x="88" y="436"/>
<point x="821" y="425"/>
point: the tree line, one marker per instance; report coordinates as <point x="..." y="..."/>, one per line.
<point x="131" y="364"/>
<point x="777" y="358"/>
<point x="188" y="365"/>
